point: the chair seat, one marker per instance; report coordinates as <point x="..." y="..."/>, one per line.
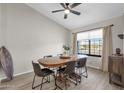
<point x="46" y="72"/>
<point x="74" y="75"/>
<point x="78" y="66"/>
<point x="61" y="70"/>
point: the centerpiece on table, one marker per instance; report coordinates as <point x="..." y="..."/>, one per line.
<point x="66" y="53"/>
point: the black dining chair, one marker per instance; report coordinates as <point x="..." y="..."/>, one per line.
<point x="80" y="64"/>
<point x="47" y="56"/>
<point x="69" y="72"/>
<point x="41" y="73"/>
<point x="59" y="54"/>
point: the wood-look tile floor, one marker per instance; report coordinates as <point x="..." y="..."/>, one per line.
<point x="97" y="80"/>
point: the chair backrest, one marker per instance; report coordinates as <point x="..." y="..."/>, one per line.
<point x="70" y="68"/>
<point x="59" y="54"/>
<point x="82" y="62"/>
<point x="37" y="69"/>
<point x="48" y="56"/>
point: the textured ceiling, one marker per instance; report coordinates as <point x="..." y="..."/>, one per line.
<point x="90" y="13"/>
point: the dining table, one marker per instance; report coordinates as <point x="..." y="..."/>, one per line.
<point x="59" y="61"/>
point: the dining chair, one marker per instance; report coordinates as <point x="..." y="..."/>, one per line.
<point x="69" y="72"/>
<point x="41" y="73"/>
<point x="80" y="64"/>
<point x="59" y="54"/>
<point x="47" y="56"/>
<point x="62" y="68"/>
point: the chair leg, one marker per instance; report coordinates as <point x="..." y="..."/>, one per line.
<point x="82" y="73"/>
<point x="49" y="78"/>
<point x="33" y="82"/>
<point x="55" y="81"/>
<point x="110" y="78"/>
<point x="41" y="83"/>
<point x="65" y="84"/>
<point x="80" y="80"/>
<point x="56" y="86"/>
<point x="76" y="70"/>
<point x="76" y="81"/>
<point x="33" y="87"/>
<point x="86" y="72"/>
<point x="79" y="71"/>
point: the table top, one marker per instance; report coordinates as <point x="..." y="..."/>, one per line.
<point x="52" y="62"/>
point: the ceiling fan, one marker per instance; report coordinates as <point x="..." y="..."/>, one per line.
<point x="68" y="9"/>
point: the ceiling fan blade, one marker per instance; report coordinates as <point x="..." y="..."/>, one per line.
<point x="75" y="12"/>
<point x="63" y="5"/>
<point x="57" y="11"/>
<point x="74" y="5"/>
<point x="65" y="16"/>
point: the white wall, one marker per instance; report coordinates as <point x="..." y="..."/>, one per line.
<point x="0" y="25"/>
<point x="123" y="34"/>
<point x="30" y="35"/>
<point x="1" y="37"/>
<point x="0" y="33"/>
<point x="94" y="62"/>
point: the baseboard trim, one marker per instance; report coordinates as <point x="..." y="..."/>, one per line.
<point x="23" y="73"/>
<point x="18" y="74"/>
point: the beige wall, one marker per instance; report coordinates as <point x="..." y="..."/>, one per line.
<point x="29" y="36"/>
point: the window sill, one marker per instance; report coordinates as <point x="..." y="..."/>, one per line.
<point x="90" y="55"/>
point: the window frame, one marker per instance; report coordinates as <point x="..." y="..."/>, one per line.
<point x="89" y="44"/>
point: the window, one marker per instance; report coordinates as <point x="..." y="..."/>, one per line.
<point x="90" y="42"/>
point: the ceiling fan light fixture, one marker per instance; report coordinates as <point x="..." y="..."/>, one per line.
<point x="67" y="11"/>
